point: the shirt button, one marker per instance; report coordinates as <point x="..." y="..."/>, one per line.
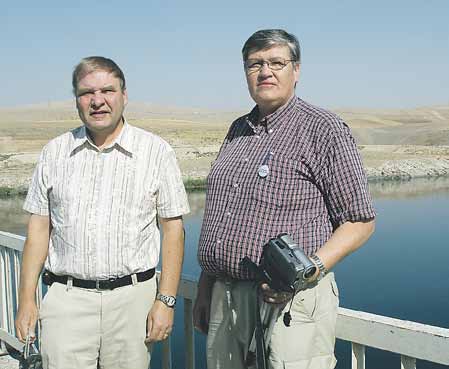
<point x="218" y="241"/>
<point x="270" y="131"/>
<point x="246" y="160"/>
<point x="257" y="136"/>
<point x="235" y="185"/>
<point x="228" y="213"/>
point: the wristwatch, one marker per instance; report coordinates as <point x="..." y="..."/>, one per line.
<point x="322" y="269"/>
<point x="170" y="301"/>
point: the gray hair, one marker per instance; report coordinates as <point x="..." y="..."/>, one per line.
<point x="266" y="38"/>
<point x="94" y="63"/>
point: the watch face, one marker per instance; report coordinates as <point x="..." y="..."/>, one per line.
<point x="170" y="301"/>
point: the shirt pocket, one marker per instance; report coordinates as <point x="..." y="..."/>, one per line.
<point x="64" y="194"/>
<point x="289" y="184"/>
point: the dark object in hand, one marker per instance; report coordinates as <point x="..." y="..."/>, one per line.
<point x="283" y="265"/>
<point x="30" y="358"/>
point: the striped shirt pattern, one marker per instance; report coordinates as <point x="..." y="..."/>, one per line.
<point x="315" y="183"/>
<point x="103" y="204"/>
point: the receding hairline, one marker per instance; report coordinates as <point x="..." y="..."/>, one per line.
<point x="276" y="44"/>
<point x="93" y="64"/>
<point x="267" y="38"/>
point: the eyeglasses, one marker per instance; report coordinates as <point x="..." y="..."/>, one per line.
<point x="254" y="65"/>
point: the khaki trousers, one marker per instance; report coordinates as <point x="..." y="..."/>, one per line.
<point x="81" y="327"/>
<point x="307" y="344"/>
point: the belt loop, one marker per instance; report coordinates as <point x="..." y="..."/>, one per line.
<point x="69" y="283"/>
<point x="228" y="288"/>
<point x="134" y="279"/>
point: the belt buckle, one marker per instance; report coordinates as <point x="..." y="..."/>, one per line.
<point x="106" y="284"/>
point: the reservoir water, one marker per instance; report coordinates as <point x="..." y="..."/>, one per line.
<point x="401" y="272"/>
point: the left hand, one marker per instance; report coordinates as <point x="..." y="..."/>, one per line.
<point x="159" y="322"/>
<point x="274" y="297"/>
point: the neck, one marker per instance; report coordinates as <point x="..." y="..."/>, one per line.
<point x="267" y="109"/>
<point x="102" y="139"/>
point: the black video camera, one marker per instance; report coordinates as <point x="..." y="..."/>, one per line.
<point x="283" y="265"/>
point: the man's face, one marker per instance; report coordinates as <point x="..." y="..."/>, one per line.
<point x="271" y="89"/>
<point x="100" y="101"/>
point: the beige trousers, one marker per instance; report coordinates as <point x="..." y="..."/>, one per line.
<point x="81" y="327"/>
<point x="307" y="344"/>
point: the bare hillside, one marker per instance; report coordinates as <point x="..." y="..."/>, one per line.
<point x="393" y="143"/>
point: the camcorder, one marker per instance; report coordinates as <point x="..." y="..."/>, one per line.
<point x="283" y="265"/>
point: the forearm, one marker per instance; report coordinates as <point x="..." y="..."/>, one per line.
<point x="34" y="254"/>
<point x="172" y="256"/>
<point x="346" y="239"/>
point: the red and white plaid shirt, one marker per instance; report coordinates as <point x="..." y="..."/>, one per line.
<point x="315" y="183"/>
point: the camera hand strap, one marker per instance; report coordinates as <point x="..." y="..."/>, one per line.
<point x="261" y="359"/>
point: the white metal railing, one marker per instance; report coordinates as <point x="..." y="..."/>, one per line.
<point x="409" y="339"/>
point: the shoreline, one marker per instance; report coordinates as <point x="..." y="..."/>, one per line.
<point x="391" y="172"/>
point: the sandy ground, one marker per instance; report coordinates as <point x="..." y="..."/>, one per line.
<point x="394" y="144"/>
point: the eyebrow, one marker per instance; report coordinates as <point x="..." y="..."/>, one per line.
<point x="81" y="91"/>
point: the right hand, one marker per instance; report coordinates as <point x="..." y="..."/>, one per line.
<point x="274" y="297"/>
<point x="201" y="309"/>
<point x="26" y="320"/>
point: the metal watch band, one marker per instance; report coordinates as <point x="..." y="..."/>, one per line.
<point x="170" y="301"/>
<point x="321" y="267"/>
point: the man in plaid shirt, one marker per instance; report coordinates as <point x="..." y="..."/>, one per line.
<point x="286" y="167"/>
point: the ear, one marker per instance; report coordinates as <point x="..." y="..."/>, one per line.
<point x="125" y="97"/>
<point x="76" y="102"/>
<point x="296" y="71"/>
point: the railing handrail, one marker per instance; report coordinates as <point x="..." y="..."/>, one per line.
<point x="394" y="335"/>
<point x="12" y="241"/>
<point x="409" y="339"/>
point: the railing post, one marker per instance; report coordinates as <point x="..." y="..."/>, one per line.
<point x="189" y="335"/>
<point x="408" y="362"/>
<point x="358" y="356"/>
<point x="166" y="353"/>
<point x="3" y="308"/>
<point x="9" y="294"/>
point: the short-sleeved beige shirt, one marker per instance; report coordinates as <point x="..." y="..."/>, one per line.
<point x="103" y="203"/>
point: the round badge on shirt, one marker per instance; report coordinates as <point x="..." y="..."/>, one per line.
<point x="263" y="171"/>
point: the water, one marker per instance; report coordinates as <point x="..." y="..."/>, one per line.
<point x="401" y="272"/>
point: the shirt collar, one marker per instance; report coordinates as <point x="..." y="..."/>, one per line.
<point x="123" y="140"/>
<point x="271" y="120"/>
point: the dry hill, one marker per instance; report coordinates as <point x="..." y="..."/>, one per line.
<point x="394" y="143"/>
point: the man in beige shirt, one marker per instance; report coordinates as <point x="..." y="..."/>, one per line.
<point x="95" y="198"/>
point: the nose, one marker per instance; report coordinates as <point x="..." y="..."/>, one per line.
<point x="97" y="100"/>
<point x="265" y="70"/>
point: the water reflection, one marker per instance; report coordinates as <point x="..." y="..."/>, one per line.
<point x="13" y="219"/>
<point x="409" y="188"/>
<point x="196" y="201"/>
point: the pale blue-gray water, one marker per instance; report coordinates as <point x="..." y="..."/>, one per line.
<point x="401" y="272"/>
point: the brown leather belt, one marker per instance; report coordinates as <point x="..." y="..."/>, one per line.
<point x="101" y="284"/>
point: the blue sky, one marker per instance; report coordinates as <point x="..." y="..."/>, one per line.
<point x="379" y="54"/>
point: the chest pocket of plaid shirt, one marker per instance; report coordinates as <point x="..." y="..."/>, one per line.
<point x="288" y="184"/>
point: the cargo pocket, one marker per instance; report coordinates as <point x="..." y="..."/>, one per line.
<point x="335" y="291"/>
<point x="304" y="306"/>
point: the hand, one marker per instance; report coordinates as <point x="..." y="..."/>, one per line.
<point x="274" y="297"/>
<point x="159" y="322"/>
<point x="201" y="309"/>
<point x="201" y="312"/>
<point x="26" y="320"/>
